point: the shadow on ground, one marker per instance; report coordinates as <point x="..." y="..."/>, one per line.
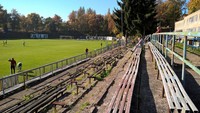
<point x="143" y="101"/>
<point x="192" y="86"/>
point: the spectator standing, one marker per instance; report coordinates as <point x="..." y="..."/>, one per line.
<point x="12" y="65"/>
<point x="86" y="52"/>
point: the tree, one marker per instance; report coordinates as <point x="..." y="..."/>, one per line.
<point x="23" y="23"/>
<point x="14" y="20"/>
<point x="82" y="20"/>
<point x="3" y="18"/>
<point x="57" y="22"/>
<point x="193" y="6"/>
<point x="99" y="24"/>
<point x="135" y="16"/>
<point x="91" y="11"/>
<point x="49" y="25"/>
<point x="73" y="20"/>
<point x="92" y="23"/>
<point x="145" y="16"/>
<point x="34" y="21"/>
<point x="110" y="23"/>
<point x="169" y="12"/>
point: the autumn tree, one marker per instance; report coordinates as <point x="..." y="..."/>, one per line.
<point x="57" y="21"/>
<point x="23" y="23"/>
<point x="111" y="28"/>
<point x="82" y="20"/>
<point x="34" y="20"/>
<point x="193" y="6"/>
<point x="73" y="20"/>
<point x="168" y="12"/>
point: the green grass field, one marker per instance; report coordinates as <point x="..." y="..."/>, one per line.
<point x="36" y="53"/>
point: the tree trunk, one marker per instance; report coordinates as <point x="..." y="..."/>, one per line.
<point x="126" y="37"/>
<point x="144" y="30"/>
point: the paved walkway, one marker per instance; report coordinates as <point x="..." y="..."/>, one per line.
<point x="150" y="88"/>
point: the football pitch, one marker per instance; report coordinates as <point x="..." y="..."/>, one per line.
<point x="35" y="53"/>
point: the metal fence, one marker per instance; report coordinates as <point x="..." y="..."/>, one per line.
<point x="21" y="79"/>
<point x="161" y="41"/>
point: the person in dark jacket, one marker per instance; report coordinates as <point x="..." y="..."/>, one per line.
<point x="12" y="65"/>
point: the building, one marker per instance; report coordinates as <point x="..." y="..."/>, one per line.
<point x="100" y="38"/>
<point x="39" y="36"/>
<point x="190" y="23"/>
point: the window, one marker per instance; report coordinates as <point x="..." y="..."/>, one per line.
<point x="199" y="29"/>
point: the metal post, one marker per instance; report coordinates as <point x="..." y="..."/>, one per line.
<point x="166" y="46"/>
<point x="184" y="57"/>
<point x="122" y="20"/>
<point x="3" y="86"/>
<point x="158" y="45"/>
<point x="173" y="46"/>
<point x="52" y="68"/>
<point x="150" y="38"/>
<point x="40" y="73"/>
<point x="24" y="80"/>
<point x="162" y="41"/>
<point x="43" y="70"/>
<point x="160" y="36"/>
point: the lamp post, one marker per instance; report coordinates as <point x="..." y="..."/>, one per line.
<point x="122" y="19"/>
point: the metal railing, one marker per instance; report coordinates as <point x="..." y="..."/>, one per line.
<point x="22" y="78"/>
<point x="161" y="41"/>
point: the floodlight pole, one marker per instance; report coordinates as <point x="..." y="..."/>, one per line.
<point x="122" y="20"/>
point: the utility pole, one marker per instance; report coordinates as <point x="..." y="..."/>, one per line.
<point x="122" y="20"/>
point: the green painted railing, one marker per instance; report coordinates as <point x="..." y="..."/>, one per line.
<point x="161" y="41"/>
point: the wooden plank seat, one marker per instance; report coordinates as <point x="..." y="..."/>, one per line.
<point x="121" y="101"/>
<point x="177" y="98"/>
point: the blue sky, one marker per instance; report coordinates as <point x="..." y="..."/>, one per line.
<point x="48" y="8"/>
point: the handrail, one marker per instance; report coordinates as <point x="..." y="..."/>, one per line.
<point x="39" y="67"/>
<point x="185" y="61"/>
<point x="192" y="34"/>
<point x="161" y="39"/>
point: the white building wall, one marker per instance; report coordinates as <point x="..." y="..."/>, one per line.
<point x="190" y="23"/>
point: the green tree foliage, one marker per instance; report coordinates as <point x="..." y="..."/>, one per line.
<point x="14" y="20"/>
<point x="3" y="18"/>
<point x="193" y="6"/>
<point x="136" y="16"/>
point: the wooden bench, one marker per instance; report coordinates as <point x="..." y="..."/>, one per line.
<point x="177" y="98"/>
<point x="121" y="101"/>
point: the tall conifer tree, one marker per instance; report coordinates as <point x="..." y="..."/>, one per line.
<point x="136" y="17"/>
